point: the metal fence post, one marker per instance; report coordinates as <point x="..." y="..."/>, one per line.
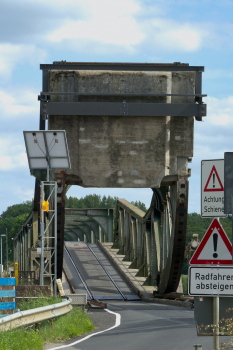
<point x="17" y="273"/>
<point x="6" y="253"/>
<point x="216" y="323"/>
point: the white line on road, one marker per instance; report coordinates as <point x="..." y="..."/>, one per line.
<point x="117" y="323"/>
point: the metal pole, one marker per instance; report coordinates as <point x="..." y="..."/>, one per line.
<point x="216" y="319"/>
<point x="55" y="240"/>
<point x="1" y="253"/>
<point x="1" y="256"/>
<point x="48" y="170"/>
<point x="6" y="254"/>
<point x="216" y="323"/>
<point x="232" y="224"/>
<point x="42" y="241"/>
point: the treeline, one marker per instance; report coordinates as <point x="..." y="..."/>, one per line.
<point x="96" y="201"/>
<point x="14" y="217"/>
<point x="197" y="224"/>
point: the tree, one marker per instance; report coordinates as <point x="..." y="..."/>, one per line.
<point x="12" y="219"/>
<point x="140" y="205"/>
<point x="17" y="209"/>
<point x="96" y="201"/>
<point x="91" y="201"/>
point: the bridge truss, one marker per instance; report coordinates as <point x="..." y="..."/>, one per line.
<point x="112" y="112"/>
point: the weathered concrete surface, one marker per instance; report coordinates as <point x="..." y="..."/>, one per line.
<point x="129" y="152"/>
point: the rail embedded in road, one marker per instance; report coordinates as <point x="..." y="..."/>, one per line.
<point x="93" y="271"/>
<point x="79" y="274"/>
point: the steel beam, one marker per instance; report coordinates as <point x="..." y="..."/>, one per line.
<point x="44" y="96"/>
<point x="141" y="67"/>
<point x="124" y="109"/>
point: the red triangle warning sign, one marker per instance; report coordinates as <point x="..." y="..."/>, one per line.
<point x="215" y="247"/>
<point x="213" y="183"/>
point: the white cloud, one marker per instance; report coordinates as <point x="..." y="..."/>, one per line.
<point x="17" y="102"/>
<point x="12" y="106"/>
<point x="24" y="194"/>
<point x="175" y="36"/>
<point x="119" y="23"/>
<point x="107" y="22"/>
<point x="12" y="153"/>
<point x="213" y="137"/>
<point x="219" y="111"/>
<point x="13" y="55"/>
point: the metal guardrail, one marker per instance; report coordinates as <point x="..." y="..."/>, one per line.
<point x="25" y="318"/>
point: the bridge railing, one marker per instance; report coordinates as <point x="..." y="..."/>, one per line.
<point x="154" y="242"/>
<point x="133" y="236"/>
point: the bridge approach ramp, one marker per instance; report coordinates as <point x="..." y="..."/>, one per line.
<point x="90" y="271"/>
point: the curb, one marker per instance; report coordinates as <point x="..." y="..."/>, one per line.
<point x="185" y="304"/>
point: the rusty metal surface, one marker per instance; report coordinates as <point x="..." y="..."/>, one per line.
<point x="154" y="242"/>
<point x="179" y="235"/>
<point x="60" y="178"/>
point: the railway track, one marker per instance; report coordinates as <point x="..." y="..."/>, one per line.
<point x="89" y="270"/>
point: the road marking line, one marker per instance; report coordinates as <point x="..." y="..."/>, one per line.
<point x="117" y="323"/>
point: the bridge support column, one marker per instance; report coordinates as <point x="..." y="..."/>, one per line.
<point x="60" y="178"/>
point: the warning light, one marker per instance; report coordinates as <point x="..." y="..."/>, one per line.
<point x="45" y="206"/>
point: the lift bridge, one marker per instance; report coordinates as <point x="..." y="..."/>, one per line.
<point x="127" y="126"/>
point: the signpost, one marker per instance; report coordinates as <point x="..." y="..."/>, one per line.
<point x="212" y="188"/>
<point x="206" y="276"/>
<point x="228" y="181"/>
<point x="211" y="270"/>
<point x="215" y="247"/>
<point x="211" y="280"/>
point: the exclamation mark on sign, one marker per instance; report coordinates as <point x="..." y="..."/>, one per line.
<point x="215" y="239"/>
<point x="213" y="180"/>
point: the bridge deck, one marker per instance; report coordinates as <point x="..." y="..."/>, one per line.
<point x="91" y="271"/>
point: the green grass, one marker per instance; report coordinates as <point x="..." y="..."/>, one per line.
<point x="28" y="304"/>
<point x="75" y="323"/>
<point x="65" y="327"/>
<point x="185" y="283"/>
<point x="21" y="339"/>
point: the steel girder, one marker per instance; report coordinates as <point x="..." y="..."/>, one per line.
<point x="93" y="219"/>
<point x="154" y="242"/>
<point x="197" y="108"/>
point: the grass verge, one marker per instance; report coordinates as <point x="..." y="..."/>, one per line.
<point x="185" y="283"/>
<point x="28" y="304"/>
<point x="75" y="323"/>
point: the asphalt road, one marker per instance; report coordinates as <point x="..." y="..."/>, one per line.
<point x="143" y="326"/>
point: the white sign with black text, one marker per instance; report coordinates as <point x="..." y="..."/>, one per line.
<point x="212" y="188"/>
<point x="210" y="281"/>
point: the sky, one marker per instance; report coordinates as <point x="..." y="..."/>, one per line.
<point x="34" y="32"/>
